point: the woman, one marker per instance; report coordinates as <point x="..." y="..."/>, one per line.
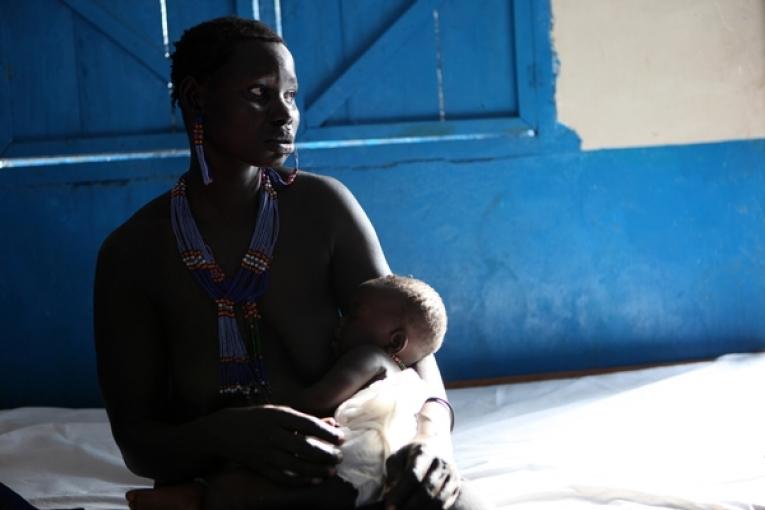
<point x="186" y="399"/>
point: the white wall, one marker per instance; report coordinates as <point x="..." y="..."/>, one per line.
<point x="656" y="72"/>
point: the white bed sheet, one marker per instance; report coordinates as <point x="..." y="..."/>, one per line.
<point x="685" y="437"/>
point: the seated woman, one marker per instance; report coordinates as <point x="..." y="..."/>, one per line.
<point x="200" y="347"/>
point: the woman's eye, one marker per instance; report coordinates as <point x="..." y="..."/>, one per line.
<point x="290" y="95"/>
<point x="258" y="91"/>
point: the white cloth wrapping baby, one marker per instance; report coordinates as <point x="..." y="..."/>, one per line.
<point x="377" y="421"/>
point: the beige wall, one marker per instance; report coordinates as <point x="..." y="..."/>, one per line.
<point x="655" y="72"/>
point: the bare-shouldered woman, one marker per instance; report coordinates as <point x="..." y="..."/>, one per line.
<point x="158" y="336"/>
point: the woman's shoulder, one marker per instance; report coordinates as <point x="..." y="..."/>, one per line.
<point x="145" y="229"/>
<point x="321" y="190"/>
<point x="317" y="182"/>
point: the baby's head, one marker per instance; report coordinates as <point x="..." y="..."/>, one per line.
<point x="403" y="316"/>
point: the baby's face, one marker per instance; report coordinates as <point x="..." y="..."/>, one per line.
<point x="372" y="318"/>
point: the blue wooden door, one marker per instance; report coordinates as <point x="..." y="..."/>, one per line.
<point x="88" y="80"/>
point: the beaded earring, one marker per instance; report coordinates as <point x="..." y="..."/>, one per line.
<point x="198" y="136"/>
<point x="398" y="361"/>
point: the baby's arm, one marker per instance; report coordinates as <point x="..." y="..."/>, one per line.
<point x="353" y="371"/>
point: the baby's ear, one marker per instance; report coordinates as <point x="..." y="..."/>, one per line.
<point x="397" y="341"/>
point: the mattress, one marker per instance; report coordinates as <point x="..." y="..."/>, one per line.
<point x="683" y="437"/>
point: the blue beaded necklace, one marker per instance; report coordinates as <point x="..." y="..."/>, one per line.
<point x="239" y="374"/>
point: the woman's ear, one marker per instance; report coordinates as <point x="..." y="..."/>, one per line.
<point x="190" y="96"/>
<point x="397" y="341"/>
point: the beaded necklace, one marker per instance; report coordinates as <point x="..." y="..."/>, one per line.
<point x="239" y="374"/>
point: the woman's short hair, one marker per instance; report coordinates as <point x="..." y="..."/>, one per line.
<point x="204" y="48"/>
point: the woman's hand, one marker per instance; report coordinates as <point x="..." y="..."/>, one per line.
<point x="284" y="445"/>
<point x="418" y="479"/>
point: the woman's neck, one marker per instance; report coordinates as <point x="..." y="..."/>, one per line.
<point x="230" y="196"/>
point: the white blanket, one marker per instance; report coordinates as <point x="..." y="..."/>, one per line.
<point x="681" y="437"/>
<point x="377" y="421"/>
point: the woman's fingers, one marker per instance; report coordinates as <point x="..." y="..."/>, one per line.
<point x="427" y="493"/>
<point x="451" y="490"/>
<point x="308" y="425"/>
<point x="300" y="467"/>
<point x="309" y="449"/>
<point x="285" y="477"/>
<point x="402" y="477"/>
<point x="315" y="450"/>
<point x="439" y="483"/>
<point x="420" y="481"/>
<point x="442" y="484"/>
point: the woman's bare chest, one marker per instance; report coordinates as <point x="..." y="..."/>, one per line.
<point x="299" y="314"/>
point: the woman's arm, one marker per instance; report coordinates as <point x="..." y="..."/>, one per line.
<point x="133" y="373"/>
<point x="356" y="252"/>
<point x="435" y="420"/>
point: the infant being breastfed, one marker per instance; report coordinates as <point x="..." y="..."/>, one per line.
<point x="406" y="319"/>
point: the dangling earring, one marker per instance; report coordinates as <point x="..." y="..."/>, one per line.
<point x="297" y="159"/>
<point x="199" y="148"/>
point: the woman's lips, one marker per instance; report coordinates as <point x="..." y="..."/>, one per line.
<point x="281" y="146"/>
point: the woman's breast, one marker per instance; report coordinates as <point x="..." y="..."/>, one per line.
<point x="295" y="336"/>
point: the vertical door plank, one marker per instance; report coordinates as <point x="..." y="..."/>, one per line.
<point x="117" y="94"/>
<point x="146" y="49"/>
<point x="184" y="14"/>
<point x="478" y="54"/>
<point x="404" y="87"/>
<point x="525" y="54"/>
<point x="247" y="8"/>
<point x="314" y="33"/>
<point x="365" y="66"/>
<point x="43" y="88"/>
<point x="6" y="122"/>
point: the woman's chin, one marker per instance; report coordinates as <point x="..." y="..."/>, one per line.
<point x="274" y="160"/>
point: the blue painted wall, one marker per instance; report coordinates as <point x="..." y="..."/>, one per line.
<point x="551" y="262"/>
<point x="548" y="258"/>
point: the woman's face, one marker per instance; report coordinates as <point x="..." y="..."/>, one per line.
<point x="249" y="107"/>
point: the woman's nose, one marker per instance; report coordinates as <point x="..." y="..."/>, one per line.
<point x="283" y="113"/>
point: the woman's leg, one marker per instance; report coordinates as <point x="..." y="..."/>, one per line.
<point x="244" y="490"/>
<point x="186" y="496"/>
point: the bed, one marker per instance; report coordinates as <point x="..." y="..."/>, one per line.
<point x="688" y="436"/>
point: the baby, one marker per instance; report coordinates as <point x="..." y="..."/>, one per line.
<point x="392" y="323"/>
